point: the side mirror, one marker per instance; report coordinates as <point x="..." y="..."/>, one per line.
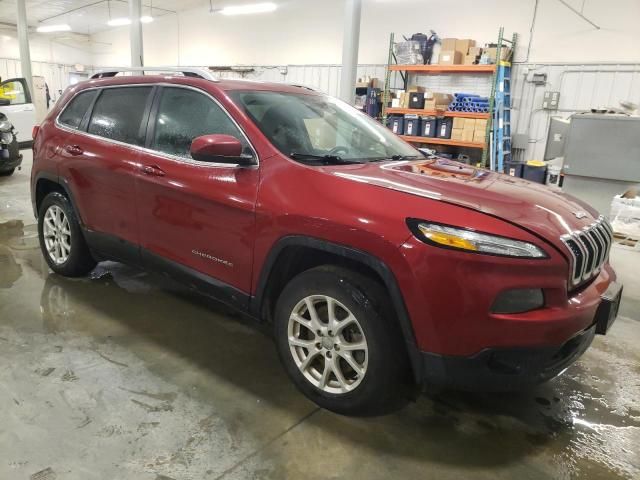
<point x="4" y="102"/>
<point x="219" y="148"/>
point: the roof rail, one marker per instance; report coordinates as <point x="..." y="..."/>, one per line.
<point x="299" y="85"/>
<point x="186" y="71"/>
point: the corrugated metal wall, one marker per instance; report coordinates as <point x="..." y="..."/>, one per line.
<point x="581" y="87"/>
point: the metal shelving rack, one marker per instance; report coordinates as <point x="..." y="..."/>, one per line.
<point x="496" y="147"/>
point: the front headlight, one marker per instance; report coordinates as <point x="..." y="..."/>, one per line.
<point x="5" y="126"/>
<point x="471" y="241"/>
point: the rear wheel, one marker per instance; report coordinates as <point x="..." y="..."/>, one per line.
<point x="339" y="343"/>
<point x="61" y="239"/>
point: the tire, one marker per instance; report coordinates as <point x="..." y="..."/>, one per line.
<point x="78" y="260"/>
<point x="385" y="382"/>
<point x="7" y="173"/>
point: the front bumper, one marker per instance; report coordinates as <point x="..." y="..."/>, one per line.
<point x="503" y="369"/>
<point x="449" y="297"/>
<point x="10" y="157"/>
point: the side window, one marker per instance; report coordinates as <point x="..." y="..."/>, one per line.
<point x="74" y="112"/>
<point x="118" y="113"/>
<point x="14" y="91"/>
<point x="184" y="115"/>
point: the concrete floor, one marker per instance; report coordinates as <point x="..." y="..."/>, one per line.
<point x="124" y="376"/>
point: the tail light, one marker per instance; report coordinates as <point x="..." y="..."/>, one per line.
<point x="34" y="132"/>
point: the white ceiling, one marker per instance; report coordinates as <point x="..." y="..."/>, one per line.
<point x="89" y="16"/>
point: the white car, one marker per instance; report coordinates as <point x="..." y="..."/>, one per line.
<point x="17" y="104"/>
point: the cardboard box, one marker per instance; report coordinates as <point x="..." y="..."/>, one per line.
<point x="458" y="123"/>
<point x="469" y="123"/>
<point x="438" y="101"/>
<point x="442" y="98"/>
<point x="448" y="43"/>
<point x="477" y="51"/>
<point x="404" y="100"/>
<point x="467" y="135"/>
<point x="456" y="133"/>
<point x="416" y="88"/>
<point x="449" y="57"/>
<point x="470" y="60"/>
<point x="478" y="136"/>
<point x="491" y="52"/>
<point x="481" y="124"/>
<point x="463" y="45"/>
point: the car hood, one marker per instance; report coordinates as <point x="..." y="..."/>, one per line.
<point x="533" y="206"/>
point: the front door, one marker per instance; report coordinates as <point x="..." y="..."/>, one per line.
<point x="15" y="103"/>
<point x="196" y="214"/>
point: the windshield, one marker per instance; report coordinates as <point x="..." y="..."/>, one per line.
<point x="313" y="128"/>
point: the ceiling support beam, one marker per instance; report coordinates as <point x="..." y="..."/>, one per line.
<point x="350" y="44"/>
<point x="23" y="43"/>
<point x="135" y="33"/>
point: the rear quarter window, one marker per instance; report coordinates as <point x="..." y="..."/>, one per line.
<point x="75" y="111"/>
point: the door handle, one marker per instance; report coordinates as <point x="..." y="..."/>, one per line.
<point x="74" y="150"/>
<point x="152" y="170"/>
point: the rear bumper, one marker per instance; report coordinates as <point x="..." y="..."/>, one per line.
<point x="502" y="369"/>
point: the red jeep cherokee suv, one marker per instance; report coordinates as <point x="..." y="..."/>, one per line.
<point x="378" y="266"/>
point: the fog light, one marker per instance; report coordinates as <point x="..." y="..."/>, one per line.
<point x="518" y="300"/>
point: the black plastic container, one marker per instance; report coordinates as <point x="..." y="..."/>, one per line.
<point x="396" y="124"/>
<point x="416" y="100"/>
<point x="444" y="125"/>
<point x="534" y="174"/>
<point x="428" y="128"/>
<point x="513" y="169"/>
<point x="412" y="125"/>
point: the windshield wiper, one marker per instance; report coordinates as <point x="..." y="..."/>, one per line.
<point x="394" y="157"/>
<point x="327" y="158"/>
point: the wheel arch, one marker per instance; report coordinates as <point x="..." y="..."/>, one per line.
<point x="294" y="254"/>
<point x="45" y="184"/>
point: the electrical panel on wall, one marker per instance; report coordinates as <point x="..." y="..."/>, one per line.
<point x="538" y="78"/>
<point x="551" y="100"/>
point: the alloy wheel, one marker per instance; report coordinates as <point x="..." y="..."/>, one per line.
<point x="57" y="234"/>
<point x="327" y="344"/>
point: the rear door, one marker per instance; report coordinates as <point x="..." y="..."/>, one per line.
<point x="16" y="104"/>
<point x="196" y="214"/>
<point x="100" y="160"/>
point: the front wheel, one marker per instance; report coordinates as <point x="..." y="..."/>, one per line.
<point x="7" y="173"/>
<point x="339" y="344"/>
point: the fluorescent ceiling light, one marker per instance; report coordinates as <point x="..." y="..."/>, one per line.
<point x="63" y="27"/>
<point x="118" y="22"/>
<point x="248" y="9"/>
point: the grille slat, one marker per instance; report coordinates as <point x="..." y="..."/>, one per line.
<point x="589" y="249"/>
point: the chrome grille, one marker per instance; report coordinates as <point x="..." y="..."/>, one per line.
<point x="589" y="249"/>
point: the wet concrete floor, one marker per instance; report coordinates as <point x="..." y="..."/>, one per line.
<point x="123" y="375"/>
